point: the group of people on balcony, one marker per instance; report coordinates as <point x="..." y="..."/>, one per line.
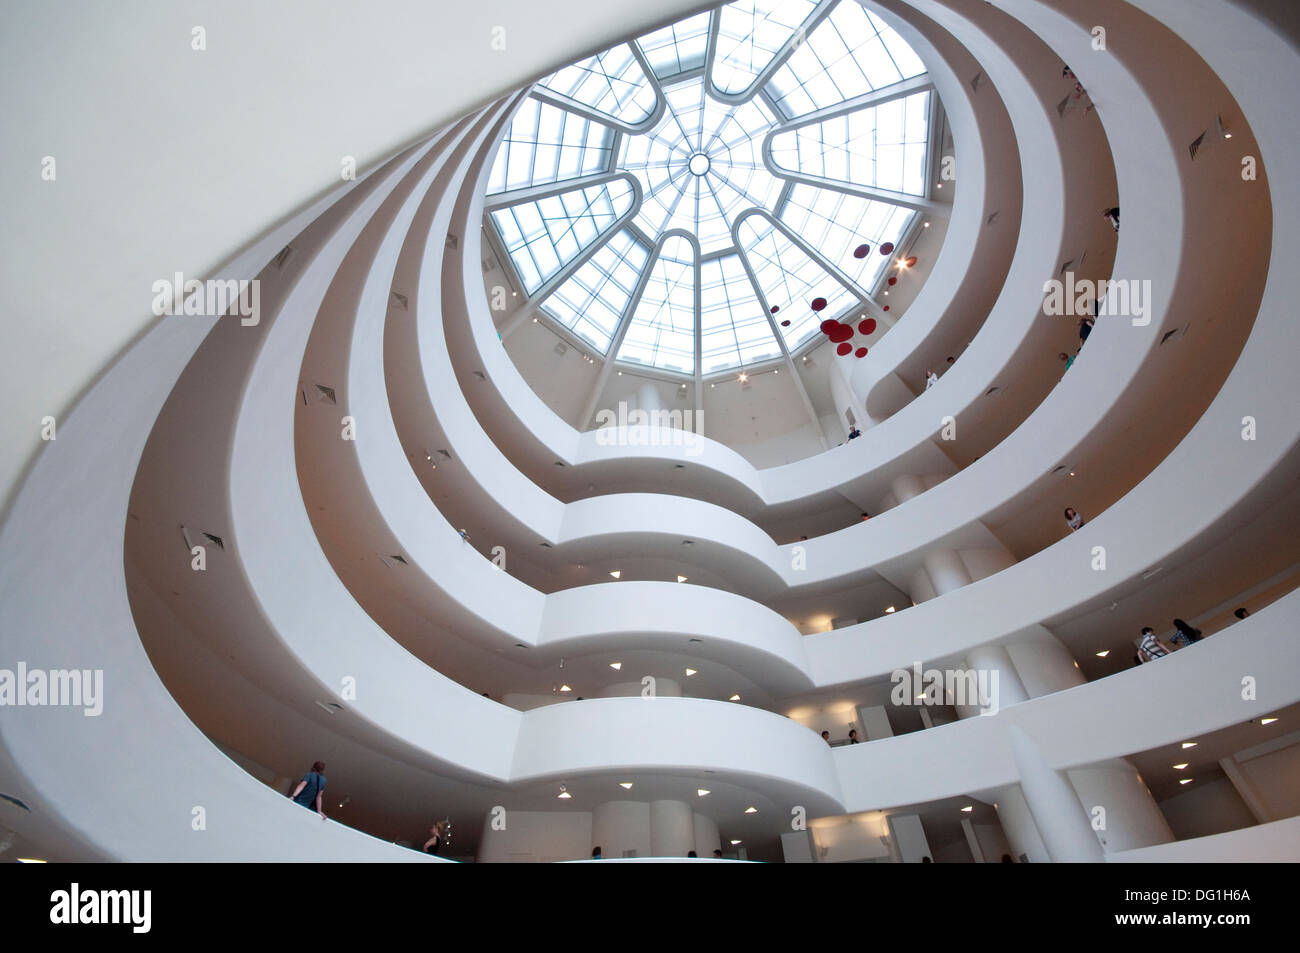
<point x="1152" y="647"/>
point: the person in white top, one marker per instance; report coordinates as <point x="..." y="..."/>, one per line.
<point x="1073" y="519"/>
<point x="931" y="378"/>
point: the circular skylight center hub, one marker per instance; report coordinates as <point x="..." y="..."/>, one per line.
<point x="699" y="164"/>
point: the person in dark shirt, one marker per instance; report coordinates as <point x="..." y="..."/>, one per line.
<point x="1184" y="634"/>
<point x="1242" y="613"/>
<point x="853" y="736"/>
<point x="310" y="791"/>
<point x="854" y="433"/>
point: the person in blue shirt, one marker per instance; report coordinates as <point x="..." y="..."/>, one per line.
<point x="310" y="792"/>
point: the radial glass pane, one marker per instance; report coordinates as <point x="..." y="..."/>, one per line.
<point x="542" y="237"/>
<point x="734" y="328"/>
<point x="547" y="144"/>
<point x="612" y="83"/>
<point x="591" y="302"/>
<point x="662" y="331"/>
<point x="882" y="146"/>
<point x="676" y="48"/>
<point x="847" y="54"/>
<point x="791" y="280"/>
<point x="836" y="225"/>
<point x="750" y="34"/>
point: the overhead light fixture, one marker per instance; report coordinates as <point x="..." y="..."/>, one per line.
<point x="1267" y="721"/>
<point x="1179" y="767"/>
<point x="564" y="795"/>
<point x="31" y="860"/>
<point x="534" y="320"/>
<point x="690" y="672"/>
<point x="620" y="373"/>
<point x="735" y="842"/>
<point x="681" y="578"/>
<point x="968" y="808"/>
<point x="617" y="573"/>
<point x="565" y="688"/>
<point x="1103" y="654"/>
<point x="1185" y="781"/>
<point x="1189" y="744"/>
<point x="743" y="377"/>
<point x="890" y="610"/>
<point x="927" y="225"/>
<point x="734" y="698"/>
<point x="616" y="666"/>
<point x="702" y="792"/>
<point x="625" y="785"/>
<point x="751" y="810"/>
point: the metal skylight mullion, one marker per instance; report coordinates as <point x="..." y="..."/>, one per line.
<point x="819" y="13"/>
<point x="825" y="263"/>
<point x="578" y="261"/>
<point x="547" y="95"/>
<point x="776" y="333"/>
<point x="625" y="321"/>
<point x="534" y="193"/>
<point x="920" y="83"/>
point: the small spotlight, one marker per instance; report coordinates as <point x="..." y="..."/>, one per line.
<point x="1103" y="654"/>
<point x="690" y="672"/>
<point x="616" y="666"/>
<point x="625" y="785"/>
<point x="751" y="810"/>
<point x="702" y="792"/>
<point x="734" y="698"/>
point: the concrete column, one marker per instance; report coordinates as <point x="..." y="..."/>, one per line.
<point x="672" y="829"/>
<point x="1057" y="812"/>
<point x="1044" y="664"/>
<point x="907" y="486"/>
<point x="995" y="674"/>
<point x="1018" y="826"/>
<point x="706" y="836"/>
<point x="946" y="570"/>
<point x="620" y="826"/>
<point x="909" y="838"/>
<point x="1129" y="815"/>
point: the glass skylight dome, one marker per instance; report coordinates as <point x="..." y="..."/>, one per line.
<point x="682" y="199"/>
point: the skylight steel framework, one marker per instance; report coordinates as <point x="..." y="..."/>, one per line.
<point x="806" y="65"/>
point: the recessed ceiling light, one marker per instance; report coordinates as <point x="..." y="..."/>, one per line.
<point x="702" y="792"/>
<point x="1185" y="781"/>
<point x="1189" y="744"/>
<point x="1267" y="721"/>
<point x="735" y="842"/>
<point x="625" y="785"/>
<point x="927" y="224"/>
<point x="751" y="810"/>
<point x="1179" y="767"/>
<point x="616" y="666"/>
<point x="617" y="573"/>
<point x="564" y="794"/>
<point x="734" y="698"/>
<point x="1103" y="654"/>
<point x="690" y="672"/>
<point x="743" y="377"/>
<point x="890" y="610"/>
<point x="968" y="808"/>
<point x="565" y="688"/>
<point x="681" y="578"/>
<point x="534" y="320"/>
<point x="31" y="860"/>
